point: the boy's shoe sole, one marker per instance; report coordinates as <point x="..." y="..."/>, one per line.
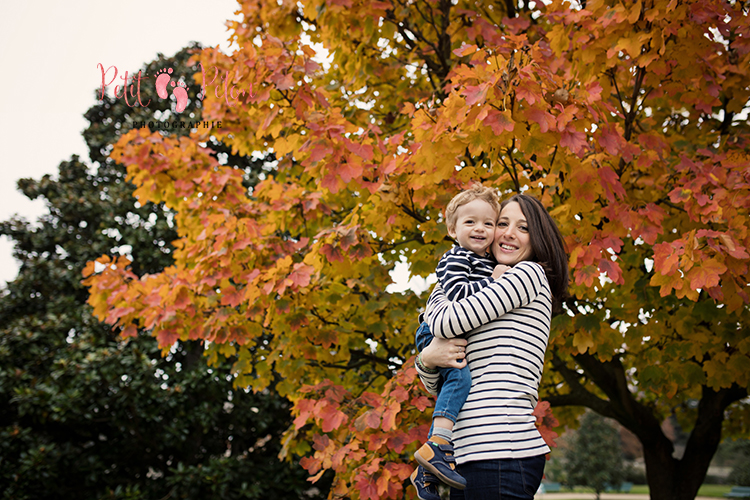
<point x="425" y="483"/>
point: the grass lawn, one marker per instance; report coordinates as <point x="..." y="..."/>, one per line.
<point x="707" y="490"/>
<point x="714" y="490"/>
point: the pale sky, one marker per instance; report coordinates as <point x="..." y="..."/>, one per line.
<point x="49" y="56"/>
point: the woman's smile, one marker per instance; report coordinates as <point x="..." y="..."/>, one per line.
<point x="512" y="241"/>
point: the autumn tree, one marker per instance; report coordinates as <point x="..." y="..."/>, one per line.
<point x="86" y="414"/>
<point x="628" y="121"/>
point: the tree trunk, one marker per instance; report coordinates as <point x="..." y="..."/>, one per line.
<point x="673" y="479"/>
<point x="668" y="478"/>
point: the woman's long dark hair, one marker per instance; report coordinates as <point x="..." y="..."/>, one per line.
<point x="547" y="245"/>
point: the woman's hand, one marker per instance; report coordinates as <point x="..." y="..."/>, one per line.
<point x="445" y="353"/>
<point x="499" y="270"/>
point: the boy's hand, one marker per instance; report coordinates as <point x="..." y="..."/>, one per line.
<point x="499" y="270"/>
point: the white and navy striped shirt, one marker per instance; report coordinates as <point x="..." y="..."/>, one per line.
<point x="461" y="272"/>
<point x="508" y="325"/>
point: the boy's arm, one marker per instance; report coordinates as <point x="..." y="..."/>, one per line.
<point x="453" y="273"/>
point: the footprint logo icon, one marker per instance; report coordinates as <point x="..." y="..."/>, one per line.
<point x="164" y="80"/>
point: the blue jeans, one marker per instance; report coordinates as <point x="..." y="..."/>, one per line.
<point x="454" y="385"/>
<point x="504" y="479"/>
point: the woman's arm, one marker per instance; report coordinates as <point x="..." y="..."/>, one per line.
<point x="440" y="353"/>
<point x="515" y="288"/>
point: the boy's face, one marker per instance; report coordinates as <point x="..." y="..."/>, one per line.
<point x="475" y="226"/>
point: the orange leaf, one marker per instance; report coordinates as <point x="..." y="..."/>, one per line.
<point x="389" y="415"/>
<point x="706" y="274"/>
<point x="666" y="283"/>
<point x="465" y="49"/>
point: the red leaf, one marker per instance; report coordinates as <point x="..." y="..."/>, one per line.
<point x="594" y="91"/>
<point x="499" y="122"/>
<point x="331" y="416"/>
<point x="528" y="93"/>
<point x="399" y="441"/>
<point x="543" y="118"/>
<point x="348" y="238"/>
<point x="667" y="257"/>
<point x="167" y="337"/>
<point x="333" y="254"/>
<point x="283" y="82"/>
<point x="732" y="249"/>
<point x="400" y="394"/>
<point x="611" y="182"/>
<point x="305" y="407"/>
<point x="320" y="151"/>
<point x="586" y="275"/>
<point x="311" y="66"/>
<point x="335" y="393"/>
<point x="573" y="140"/>
<point x="611" y="140"/>
<point x="321" y="442"/>
<point x="129" y="331"/>
<point x="372" y="399"/>
<point x="545" y="422"/>
<point x="421" y="402"/>
<point x="300" y="275"/>
<point x="367" y="487"/>
<point x="612" y="269"/>
<point x="563" y="119"/>
<point x="231" y="296"/>
<point x="372" y="419"/>
<point x="364" y="151"/>
<point x="680" y="195"/>
<point x="310" y="464"/>
<point x="348" y="170"/>
<point x="476" y="93"/>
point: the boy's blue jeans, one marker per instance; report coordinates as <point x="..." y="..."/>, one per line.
<point x="454" y="385"/>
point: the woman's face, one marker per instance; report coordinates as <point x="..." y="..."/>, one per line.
<point x="512" y="242"/>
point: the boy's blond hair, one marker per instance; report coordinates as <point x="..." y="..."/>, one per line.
<point x="476" y="192"/>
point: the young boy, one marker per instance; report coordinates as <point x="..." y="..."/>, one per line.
<point x="471" y="217"/>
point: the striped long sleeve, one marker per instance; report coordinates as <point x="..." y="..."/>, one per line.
<point x="507" y="325"/>
<point x="461" y="272"/>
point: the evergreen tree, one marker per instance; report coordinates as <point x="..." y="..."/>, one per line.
<point x="594" y="458"/>
<point x="740" y="474"/>
<point x="86" y="414"/>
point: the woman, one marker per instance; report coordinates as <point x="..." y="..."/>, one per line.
<point x="498" y="449"/>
